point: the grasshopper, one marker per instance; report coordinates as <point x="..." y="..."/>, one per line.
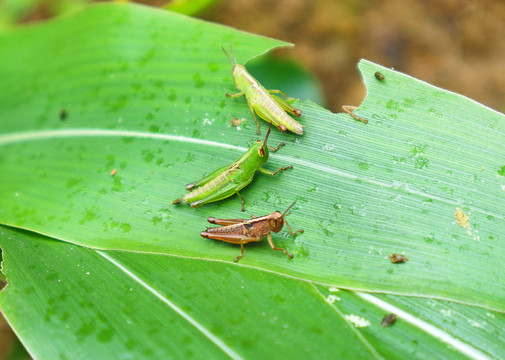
<point x="228" y="180"/>
<point x="269" y="107"/>
<point x="243" y="231"/>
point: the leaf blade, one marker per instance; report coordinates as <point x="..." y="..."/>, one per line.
<point x="92" y="303"/>
<point x="363" y="191"/>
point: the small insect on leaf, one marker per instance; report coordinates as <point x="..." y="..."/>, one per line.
<point x="63" y="114"/>
<point x="379" y="76"/>
<point x="397" y="258"/>
<point x="243" y="231"/>
<point x="236" y="121"/>
<point x="388" y="320"/>
<point x="113" y="172"/>
<point x="265" y="103"/>
<point x="229" y="180"/>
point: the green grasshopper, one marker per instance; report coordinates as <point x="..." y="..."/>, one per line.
<point x="269" y="107"/>
<point x="228" y="180"/>
<point x="243" y="231"/>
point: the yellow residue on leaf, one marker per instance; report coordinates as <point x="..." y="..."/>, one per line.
<point x="462" y="219"/>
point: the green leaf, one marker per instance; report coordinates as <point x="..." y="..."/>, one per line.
<point x="142" y="91"/>
<point x="105" y="310"/>
<point x="67" y="301"/>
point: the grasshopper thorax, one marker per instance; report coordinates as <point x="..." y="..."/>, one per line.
<point x="238" y="70"/>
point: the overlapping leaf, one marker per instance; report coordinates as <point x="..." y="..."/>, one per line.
<point x="68" y="301"/>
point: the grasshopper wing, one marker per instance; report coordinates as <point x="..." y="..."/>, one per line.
<point x="206" y="179"/>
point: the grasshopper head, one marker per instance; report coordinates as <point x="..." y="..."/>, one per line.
<point x="276" y="221"/>
<point x="260" y="151"/>
<point x="238" y="69"/>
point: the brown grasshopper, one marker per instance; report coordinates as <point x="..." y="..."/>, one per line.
<point x="242" y="231"/>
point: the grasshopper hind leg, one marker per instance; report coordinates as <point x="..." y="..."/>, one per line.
<point x="225" y="222"/>
<point x="285" y="104"/>
<point x="265" y="115"/>
<point x="276" y="148"/>
<point x="221" y="194"/>
<point x="282" y="93"/>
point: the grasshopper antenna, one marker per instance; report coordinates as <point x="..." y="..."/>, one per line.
<point x="290" y="206"/>
<point x="228" y="56"/>
<point x="233" y="53"/>
<point x="268" y="133"/>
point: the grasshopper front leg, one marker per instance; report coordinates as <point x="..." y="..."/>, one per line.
<point x="277" y="148"/>
<point x="234" y="95"/>
<point x="272" y="245"/>
<point x="272" y="173"/>
<point x="291" y="231"/>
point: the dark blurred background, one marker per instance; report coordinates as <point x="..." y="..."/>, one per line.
<point x="455" y="44"/>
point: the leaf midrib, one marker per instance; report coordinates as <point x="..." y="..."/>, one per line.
<point x="19" y="137"/>
<point x="202" y="329"/>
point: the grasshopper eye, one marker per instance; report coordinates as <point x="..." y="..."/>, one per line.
<point x="261" y="152"/>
